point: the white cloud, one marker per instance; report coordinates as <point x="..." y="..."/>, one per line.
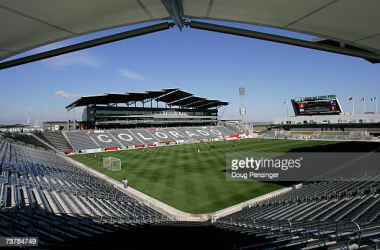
<point x="63" y="94"/>
<point x="30" y="108"/>
<point x="4" y="102"/>
<point x="74" y="59"/>
<point x="77" y="59"/>
<point x="80" y="58"/>
<point x="131" y="75"/>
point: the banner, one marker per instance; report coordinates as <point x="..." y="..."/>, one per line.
<point x="112" y="148"/>
<point x="92" y="150"/>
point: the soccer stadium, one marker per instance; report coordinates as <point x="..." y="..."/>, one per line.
<point x="142" y="164"/>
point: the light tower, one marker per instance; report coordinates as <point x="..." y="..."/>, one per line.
<point x="242" y="109"/>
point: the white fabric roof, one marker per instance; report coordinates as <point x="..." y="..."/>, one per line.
<point x="25" y="25"/>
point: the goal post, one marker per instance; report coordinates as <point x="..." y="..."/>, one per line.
<point x="111" y="163"/>
<point x="107" y="162"/>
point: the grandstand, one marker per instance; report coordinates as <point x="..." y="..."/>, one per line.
<point x="340" y="211"/>
<point x="56" y="139"/>
<point x="47" y="181"/>
<point x="27" y="138"/>
<point x="85" y="140"/>
<point x="70" y="203"/>
<point x="336" y="200"/>
<point x="323" y="118"/>
<point x="319" y="135"/>
<point x="67" y="205"/>
<point x="158" y="108"/>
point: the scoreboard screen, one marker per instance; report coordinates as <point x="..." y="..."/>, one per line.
<point x="319" y="105"/>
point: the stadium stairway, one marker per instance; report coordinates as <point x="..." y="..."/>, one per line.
<point x="51" y="147"/>
<point x="67" y="139"/>
<point x="42" y="138"/>
<point x="117" y="141"/>
<point x="57" y="140"/>
<point x="235" y="129"/>
<point x="81" y="140"/>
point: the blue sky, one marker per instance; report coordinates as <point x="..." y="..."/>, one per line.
<point x="207" y="64"/>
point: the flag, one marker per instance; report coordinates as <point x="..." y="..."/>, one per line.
<point x="373" y="99"/>
<point x="351" y="98"/>
<point x="286" y="101"/>
<point x="363" y="99"/>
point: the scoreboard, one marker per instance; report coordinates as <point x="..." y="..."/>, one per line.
<point x="316" y="105"/>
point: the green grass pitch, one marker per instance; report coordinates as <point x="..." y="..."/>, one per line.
<point x="189" y="181"/>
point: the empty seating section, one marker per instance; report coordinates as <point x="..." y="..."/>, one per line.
<point x="43" y="195"/>
<point x="187" y="133"/>
<point x="39" y="179"/>
<point x="313" y="214"/>
<point x="42" y="138"/>
<point x="58" y="140"/>
<point x="195" y="134"/>
<point x="80" y="140"/>
<point x="347" y="200"/>
<point x="321" y="135"/>
<point x="192" y="133"/>
<point x="125" y="137"/>
<point x="104" y="140"/>
<point x="235" y="129"/>
<point x="172" y="133"/>
<point x="208" y="133"/>
<point x="145" y="136"/>
<point x="180" y="134"/>
<point x="303" y="235"/>
<point x="225" y="130"/>
<point x="27" y="139"/>
<point x="84" y="140"/>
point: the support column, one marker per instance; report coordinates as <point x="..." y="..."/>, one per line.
<point x="74" y="119"/>
<point x="68" y="120"/>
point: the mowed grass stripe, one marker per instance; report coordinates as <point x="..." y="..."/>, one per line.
<point x="190" y="181"/>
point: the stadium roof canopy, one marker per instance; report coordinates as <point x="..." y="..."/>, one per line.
<point x="348" y="27"/>
<point x="172" y="97"/>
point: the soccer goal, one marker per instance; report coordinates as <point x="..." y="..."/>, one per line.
<point x="111" y="163"/>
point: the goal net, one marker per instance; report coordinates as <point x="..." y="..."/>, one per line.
<point x="111" y="163"/>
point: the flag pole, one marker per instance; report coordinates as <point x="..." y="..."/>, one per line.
<point x="364" y="104"/>
<point x="353" y="105"/>
<point x="287" y="108"/>
<point x="376" y="104"/>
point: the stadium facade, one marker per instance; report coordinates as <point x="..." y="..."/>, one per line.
<point x="153" y="108"/>
<point x="323" y="119"/>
